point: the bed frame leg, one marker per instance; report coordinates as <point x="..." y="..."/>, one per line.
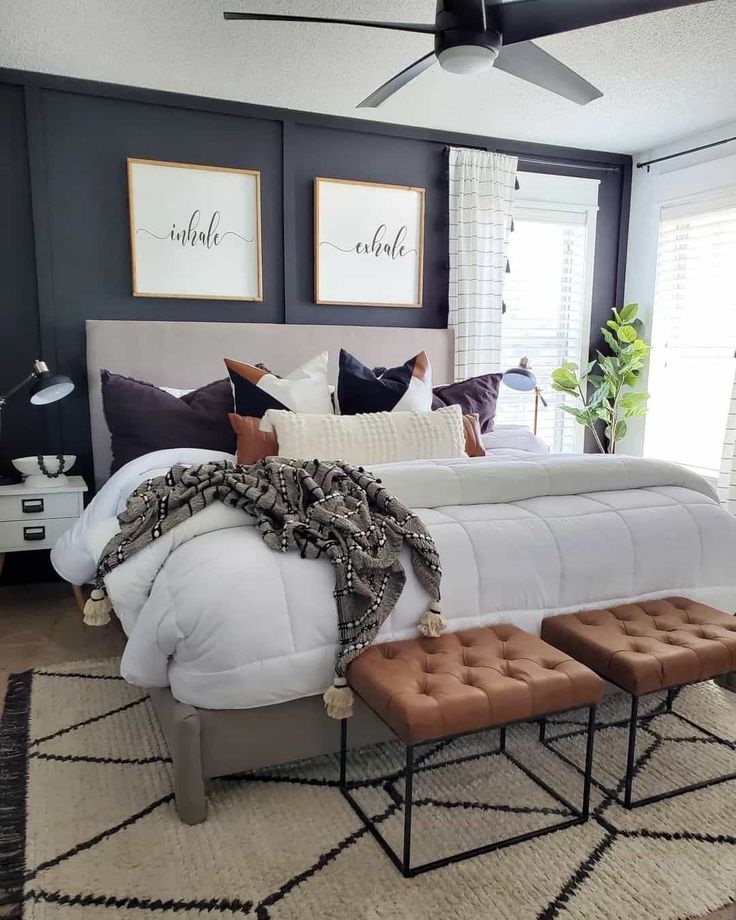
<point x="189" y="786"/>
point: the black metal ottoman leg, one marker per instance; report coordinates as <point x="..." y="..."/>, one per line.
<point x="343" y="752"/>
<point x="589" y="763"/>
<point x="408" y="792"/>
<point x="671" y="694"/>
<point x="631" y="755"/>
<point x="542" y="730"/>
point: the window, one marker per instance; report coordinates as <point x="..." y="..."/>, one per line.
<point x="693" y="335"/>
<point x="548" y="297"/>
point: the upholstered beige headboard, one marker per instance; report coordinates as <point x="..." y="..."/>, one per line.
<point x="187" y="355"/>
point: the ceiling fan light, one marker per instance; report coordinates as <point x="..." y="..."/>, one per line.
<point x="465" y="59"/>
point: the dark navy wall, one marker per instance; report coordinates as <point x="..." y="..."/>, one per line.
<point x="19" y="320"/>
<point x="64" y="244"/>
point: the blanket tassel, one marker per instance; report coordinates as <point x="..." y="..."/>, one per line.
<point x="97" y="609"/>
<point x="432" y="622"/>
<point x="339" y="699"/>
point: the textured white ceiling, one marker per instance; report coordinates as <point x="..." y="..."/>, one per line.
<point x="664" y="75"/>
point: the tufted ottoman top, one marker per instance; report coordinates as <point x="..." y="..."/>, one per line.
<point x="470" y="680"/>
<point x="649" y="646"/>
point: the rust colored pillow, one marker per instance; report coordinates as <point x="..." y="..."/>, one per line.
<point x="253" y="444"/>
<point x="473" y="444"/>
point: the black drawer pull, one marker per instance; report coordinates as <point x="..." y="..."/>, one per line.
<point x="31" y="505"/>
<point x="34" y="533"/>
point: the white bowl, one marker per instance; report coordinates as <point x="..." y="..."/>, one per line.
<point x="35" y="478"/>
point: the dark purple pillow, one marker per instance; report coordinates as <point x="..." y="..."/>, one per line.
<point x="476" y="396"/>
<point x="143" y="418"/>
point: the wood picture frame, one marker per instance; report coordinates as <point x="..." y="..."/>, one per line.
<point x="191" y="216"/>
<point x="373" y="224"/>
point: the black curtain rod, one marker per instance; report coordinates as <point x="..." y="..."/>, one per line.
<point x="542" y="161"/>
<point x="683" y="153"/>
<point x="590" y="167"/>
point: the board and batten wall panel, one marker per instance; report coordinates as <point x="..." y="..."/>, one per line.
<point x="23" y="425"/>
<point x="338" y="154"/>
<point x="66" y="252"/>
<point x="87" y="140"/>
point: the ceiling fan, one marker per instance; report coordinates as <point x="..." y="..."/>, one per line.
<point x="471" y="36"/>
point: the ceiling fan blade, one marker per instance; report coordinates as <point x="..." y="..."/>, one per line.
<point x="397" y="26"/>
<point x="395" y="83"/>
<point x="531" y="63"/>
<point x="522" y="20"/>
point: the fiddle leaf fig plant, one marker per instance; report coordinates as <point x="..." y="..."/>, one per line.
<point x="603" y="386"/>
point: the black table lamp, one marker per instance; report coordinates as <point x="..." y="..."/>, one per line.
<point x="46" y="387"/>
<point x="523" y="380"/>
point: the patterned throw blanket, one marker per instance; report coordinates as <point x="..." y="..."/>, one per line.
<point x="331" y="509"/>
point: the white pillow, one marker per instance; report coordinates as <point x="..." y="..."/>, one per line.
<point x="373" y="437"/>
<point x="515" y="437"/>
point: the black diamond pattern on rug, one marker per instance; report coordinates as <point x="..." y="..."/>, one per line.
<point x="89" y="825"/>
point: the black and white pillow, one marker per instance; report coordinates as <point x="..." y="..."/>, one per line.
<point x="407" y="388"/>
<point x="256" y="389"/>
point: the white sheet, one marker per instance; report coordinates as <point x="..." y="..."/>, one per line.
<point x="231" y="624"/>
<point x="514" y="437"/>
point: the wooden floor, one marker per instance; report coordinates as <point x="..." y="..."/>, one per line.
<point x="41" y="625"/>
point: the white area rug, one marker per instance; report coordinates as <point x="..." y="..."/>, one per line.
<point x="88" y="827"/>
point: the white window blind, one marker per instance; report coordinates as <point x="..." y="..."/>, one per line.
<point x="547" y="319"/>
<point x="693" y="335"/>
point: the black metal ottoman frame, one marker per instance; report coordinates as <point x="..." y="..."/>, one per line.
<point x="633" y="722"/>
<point x="413" y="766"/>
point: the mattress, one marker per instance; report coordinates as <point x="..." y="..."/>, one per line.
<point x="228" y="623"/>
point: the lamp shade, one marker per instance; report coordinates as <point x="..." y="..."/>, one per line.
<point x="49" y="388"/>
<point x="520" y="378"/>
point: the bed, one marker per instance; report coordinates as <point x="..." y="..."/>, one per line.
<point x="237" y="642"/>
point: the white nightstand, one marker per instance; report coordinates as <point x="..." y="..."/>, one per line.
<point x="36" y="518"/>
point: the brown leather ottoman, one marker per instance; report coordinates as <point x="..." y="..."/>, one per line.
<point x="646" y="647"/>
<point x="435" y="689"/>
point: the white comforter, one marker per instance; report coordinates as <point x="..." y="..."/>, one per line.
<point x="229" y="623"/>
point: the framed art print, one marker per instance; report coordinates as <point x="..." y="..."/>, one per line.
<point x="368" y="243"/>
<point x="195" y="231"/>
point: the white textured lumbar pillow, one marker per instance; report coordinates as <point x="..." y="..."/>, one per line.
<point x="373" y="437"/>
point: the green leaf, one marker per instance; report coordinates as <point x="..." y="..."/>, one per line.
<point x="640" y="347"/>
<point x="610" y="341"/>
<point x="586" y="369"/>
<point x="582" y="415"/>
<point x="621" y="429"/>
<point x="626" y="334"/>
<point x="633" y="400"/>
<point x="608" y="366"/>
<point x="628" y="313"/>
<point x="565" y="378"/>
<point x="599" y="396"/>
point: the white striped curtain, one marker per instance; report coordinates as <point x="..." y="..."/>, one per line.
<point x="481" y="192"/>
<point x="727" y="478"/>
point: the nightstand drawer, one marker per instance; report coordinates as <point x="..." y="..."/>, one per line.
<point x="40" y="534"/>
<point x="36" y="505"/>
